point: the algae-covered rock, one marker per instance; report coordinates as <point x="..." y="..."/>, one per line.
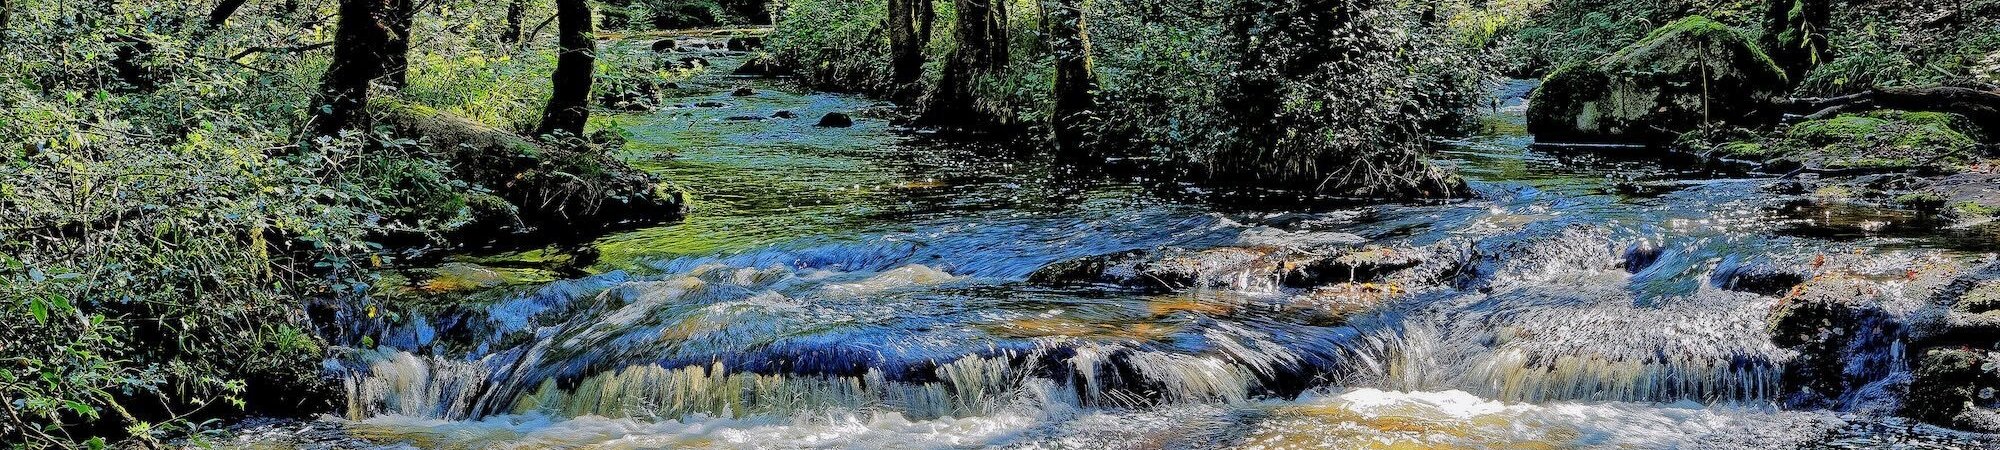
<point x="1692" y="72"/>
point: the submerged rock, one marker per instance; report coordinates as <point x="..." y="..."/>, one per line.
<point x="784" y="115"/>
<point x="1688" y="73"/>
<point x="835" y="120"/>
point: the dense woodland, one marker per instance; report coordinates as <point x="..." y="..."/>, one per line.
<point x="187" y="186"/>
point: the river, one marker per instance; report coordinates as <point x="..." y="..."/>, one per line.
<point x="869" y="287"/>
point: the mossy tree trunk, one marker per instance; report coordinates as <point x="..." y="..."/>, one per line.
<point x="1795" y="34"/>
<point x="1076" y="78"/>
<point x="909" y="31"/>
<point x="218" y="17"/>
<point x="569" y="106"/>
<point x="982" y="49"/>
<point x="6" y="14"/>
<point x="396" y="53"/>
<point x="357" y="59"/>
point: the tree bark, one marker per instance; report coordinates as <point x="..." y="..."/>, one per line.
<point x="515" y="11"/>
<point x="1795" y="34"/>
<point x="569" y="106"/>
<point x="402" y="15"/>
<point x="357" y="45"/>
<point x="6" y="15"/>
<point x="909" y="32"/>
<point x="1076" y="86"/>
<point x="223" y="11"/>
<point x="982" y="48"/>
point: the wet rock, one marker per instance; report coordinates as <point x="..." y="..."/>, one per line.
<point x="1120" y="269"/>
<point x="1964" y="198"/>
<point x="665" y="45"/>
<point x="1758" y="276"/>
<point x="743" y="92"/>
<point x="1822" y="320"/>
<point x="693" y="63"/>
<point x="1638" y="257"/>
<point x="784" y="115"/>
<point x="1983" y="297"/>
<point x="1948" y="382"/>
<point x="710" y="104"/>
<point x="746" y="44"/>
<point x="744" y="118"/>
<point x="1688" y="73"/>
<point x="763" y="66"/>
<point x="835" y="120"/>
<point x="1364" y="265"/>
<point x="1646" y="188"/>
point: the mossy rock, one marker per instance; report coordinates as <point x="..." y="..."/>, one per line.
<point x="1689" y="73"/>
<point x="514" y="185"/>
<point x="1881" y="140"/>
<point x="1947" y="382"/>
<point x="1982" y="298"/>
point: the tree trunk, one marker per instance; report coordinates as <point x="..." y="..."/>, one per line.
<point x="223" y="11"/>
<point x="909" y="32"/>
<point x="569" y="106"/>
<point x="357" y="47"/>
<point x="982" y="48"/>
<point x="1795" y="34"/>
<point x="512" y="33"/>
<point x="1076" y="78"/>
<point x="396" y="52"/>
<point x="6" y="14"/>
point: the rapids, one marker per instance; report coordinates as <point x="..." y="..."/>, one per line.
<point x="869" y="288"/>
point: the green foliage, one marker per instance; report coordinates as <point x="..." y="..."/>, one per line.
<point x="1881" y="43"/>
<point x="162" y="226"/>
<point x="1563" y="32"/>
<point x="1161" y="65"/>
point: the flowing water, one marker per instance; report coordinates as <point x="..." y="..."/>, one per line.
<point x="868" y="288"/>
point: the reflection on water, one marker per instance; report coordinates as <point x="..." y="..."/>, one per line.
<point x="853" y="288"/>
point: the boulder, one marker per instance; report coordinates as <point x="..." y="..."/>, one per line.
<point x="1692" y="72"/>
<point x="534" y="188"/>
<point x="743" y="92"/>
<point x="835" y="120"/>
<point x="763" y="66"/>
<point x="746" y="43"/>
<point x="665" y="45"/>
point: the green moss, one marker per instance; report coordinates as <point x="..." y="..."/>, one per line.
<point x="1922" y="201"/>
<point x="1882" y="140"/>
<point x="1973" y="210"/>
<point x="1745" y="149"/>
<point x="1982" y="298"/>
<point x="1692" y="73"/>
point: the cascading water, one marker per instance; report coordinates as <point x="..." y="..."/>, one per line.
<point x="841" y="290"/>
